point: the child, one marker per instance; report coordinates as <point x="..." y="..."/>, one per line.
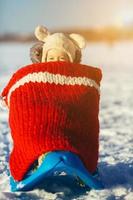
<point x="54" y="104"/>
<point x="70" y="45"/>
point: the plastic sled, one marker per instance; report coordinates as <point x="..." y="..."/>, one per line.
<point x="57" y="162"/>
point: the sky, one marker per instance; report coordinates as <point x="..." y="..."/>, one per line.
<point x="22" y="16"/>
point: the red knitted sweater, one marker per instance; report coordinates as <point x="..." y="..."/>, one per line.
<point x="53" y="106"/>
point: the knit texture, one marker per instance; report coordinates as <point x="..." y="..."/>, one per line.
<point x="53" y="106"/>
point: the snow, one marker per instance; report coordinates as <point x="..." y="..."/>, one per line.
<point x="116" y="124"/>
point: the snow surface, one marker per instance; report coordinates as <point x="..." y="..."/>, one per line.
<point x="116" y="120"/>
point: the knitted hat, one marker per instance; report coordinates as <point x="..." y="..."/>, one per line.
<point x="69" y="44"/>
<point x="53" y="106"/>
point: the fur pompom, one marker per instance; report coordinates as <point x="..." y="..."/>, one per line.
<point x="41" y="33"/>
<point x="78" y="39"/>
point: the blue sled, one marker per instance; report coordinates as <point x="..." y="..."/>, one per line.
<point x="57" y="161"/>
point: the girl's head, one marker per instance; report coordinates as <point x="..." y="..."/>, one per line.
<point x="56" y="47"/>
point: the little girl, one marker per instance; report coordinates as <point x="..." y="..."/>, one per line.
<point x="54" y="104"/>
<point x="68" y="45"/>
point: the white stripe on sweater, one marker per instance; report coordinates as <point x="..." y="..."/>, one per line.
<point x="45" y="77"/>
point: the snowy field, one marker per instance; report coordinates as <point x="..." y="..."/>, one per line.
<point x="116" y="120"/>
